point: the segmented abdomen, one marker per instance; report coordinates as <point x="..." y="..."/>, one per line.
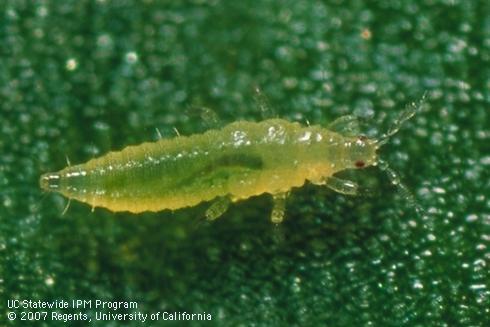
<point x="241" y="160"/>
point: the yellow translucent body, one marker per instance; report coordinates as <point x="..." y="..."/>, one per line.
<point x="241" y="160"/>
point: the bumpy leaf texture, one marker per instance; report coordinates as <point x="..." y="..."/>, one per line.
<point x="80" y="78"/>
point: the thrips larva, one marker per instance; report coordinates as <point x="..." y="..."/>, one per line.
<point x="241" y="160"/>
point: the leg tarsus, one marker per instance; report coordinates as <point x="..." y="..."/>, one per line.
<point x="218" y="208"/>
<point x="343" y="186"/>
<point x="278" y="207"/>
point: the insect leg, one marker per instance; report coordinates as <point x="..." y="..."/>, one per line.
<point x="218" y="208"/>
<point x="278" y="207"/>
<point x="208" y="116"/>
<point x="343" y="186"/>
<point x="263" y="103"/>
<point x="345" y="125"/>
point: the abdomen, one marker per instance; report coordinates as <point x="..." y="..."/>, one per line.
<point x="241" y="160"/>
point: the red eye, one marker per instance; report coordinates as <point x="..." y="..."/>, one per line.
<point x="360" y="164"/>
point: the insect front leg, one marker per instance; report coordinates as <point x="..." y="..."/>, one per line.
<point x="343" y="186"/>
<point x="345" y="125"/>
<point x="218" y="208"/>
<point x="278" y="207"/>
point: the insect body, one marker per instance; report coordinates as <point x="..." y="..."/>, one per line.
<point x="241" y="160"/>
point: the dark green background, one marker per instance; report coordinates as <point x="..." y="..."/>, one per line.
<point x="80" y="78"/>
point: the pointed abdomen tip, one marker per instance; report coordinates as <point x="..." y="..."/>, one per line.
<point x="50" y="181"/>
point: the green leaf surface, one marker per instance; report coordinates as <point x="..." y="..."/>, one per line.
<point x="81" y="78"/>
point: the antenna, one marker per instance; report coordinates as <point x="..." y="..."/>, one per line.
<point x="393" y="176"/>
<point x="403" y="189"/>
<point x="405" y="115"/>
